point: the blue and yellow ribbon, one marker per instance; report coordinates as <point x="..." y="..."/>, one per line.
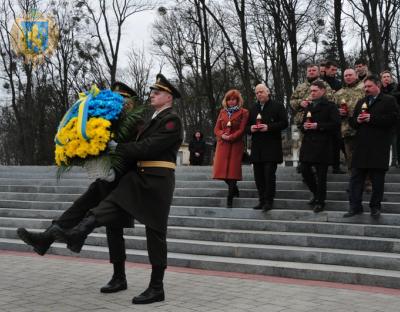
<point x="82" y="103"/>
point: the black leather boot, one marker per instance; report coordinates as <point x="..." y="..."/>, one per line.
<point x="75" y="237"/>
<point x="118" y="280"/>
<point x="155" y="291"/>
<point x="40" y="242"/>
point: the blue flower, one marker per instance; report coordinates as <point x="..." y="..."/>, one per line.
<point x="107" y="104"/>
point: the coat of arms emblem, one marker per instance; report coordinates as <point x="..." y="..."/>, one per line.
<point x="34" y="37"/>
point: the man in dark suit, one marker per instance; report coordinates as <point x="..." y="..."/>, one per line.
<point x="144" y="193"/>
<point x="266" y="143"/>
<point x="374" y="118"/>
<point x="320" y="123"/>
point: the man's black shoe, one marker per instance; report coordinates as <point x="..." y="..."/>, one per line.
<point x="352" y="213"/>
<point x="318" y="207"/>
<point x="258" y="207"/>
<point x="375" y="213"/>
<point x="150" y="295"/>
<point x="114" y="285"/>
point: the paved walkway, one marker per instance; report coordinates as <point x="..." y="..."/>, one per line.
<point x="30" y="283"/>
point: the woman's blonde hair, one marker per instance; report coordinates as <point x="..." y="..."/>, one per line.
<point x="233" y="93"/>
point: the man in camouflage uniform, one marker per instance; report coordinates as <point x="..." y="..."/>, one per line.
<point x="349" y="95"/>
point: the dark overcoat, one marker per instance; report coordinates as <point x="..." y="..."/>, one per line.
<point x="267" y="146"/>
<point x="228" y="154"/>
<point x="146" y="193"/>
<point x="197" y="146"/>
<point x="372" y="140"/>
<point x="317" y="144"/>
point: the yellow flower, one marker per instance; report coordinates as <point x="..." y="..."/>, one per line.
<point x="97" y="130"/>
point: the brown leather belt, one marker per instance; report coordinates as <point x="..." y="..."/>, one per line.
<point x="156" y="163"/>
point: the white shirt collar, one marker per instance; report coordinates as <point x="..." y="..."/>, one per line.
<point x="159" y="111"/>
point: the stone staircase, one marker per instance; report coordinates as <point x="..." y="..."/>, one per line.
<point x="289" y="241"/>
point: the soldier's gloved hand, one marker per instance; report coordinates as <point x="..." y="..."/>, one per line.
<point x="110" y="177"/>
<point x="112" y="145"/>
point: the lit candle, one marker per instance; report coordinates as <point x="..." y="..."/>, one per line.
<point x="228" y="128"/>
<point x="308" y="117"/>
<point x="258" y="120"/>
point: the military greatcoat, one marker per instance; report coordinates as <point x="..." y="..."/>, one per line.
<point x="146" y="193"/>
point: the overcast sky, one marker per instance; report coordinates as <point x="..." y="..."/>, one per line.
<point x="137" y="31"/>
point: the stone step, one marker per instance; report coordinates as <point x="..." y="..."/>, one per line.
<point x="231" y="248"/>
<point x="290" y="240"/>
<point x="44" y="182"/>
<point x="294" y="204"/>
<point x="14" y="217"/>
<point x="378" y="244"/>
<point x="284" y="214"/>
<point x="246" y="213"/>
<point x="188" y="176"/>
<point x="301" y="270"/>
<point x="192" y="192"/>
<point x="51" y="186"/>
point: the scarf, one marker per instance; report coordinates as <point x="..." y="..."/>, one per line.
<point x="231" y="110"/>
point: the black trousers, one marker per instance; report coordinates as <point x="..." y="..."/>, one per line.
<point x="96" y="192"/>
<point x="357" y="182"/>
<point x="265" y="178"/>
<point x="316" y="182"/>
<point x="108" y="214"/>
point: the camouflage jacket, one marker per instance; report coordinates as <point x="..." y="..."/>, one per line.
<point x="350" y="95"/>
<point x="301" y="93"/>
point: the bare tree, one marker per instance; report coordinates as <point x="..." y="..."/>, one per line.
<point x="394" y="47"/>
<point x="240" y="51"/>
<point x="108" y="18"/>
<point x="338" y="7"/>
<point x="138" y="72"/>
<point x="19" y="76"/>
<point x="379" y="16"/>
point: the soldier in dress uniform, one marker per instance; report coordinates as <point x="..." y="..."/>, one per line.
<point x="143" y="193"/>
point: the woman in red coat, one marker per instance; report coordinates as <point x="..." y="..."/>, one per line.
<point x="229" y="131"/>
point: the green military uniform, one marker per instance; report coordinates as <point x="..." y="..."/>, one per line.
<point x="350" y="94"/>
<point x="301" y="93"/>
